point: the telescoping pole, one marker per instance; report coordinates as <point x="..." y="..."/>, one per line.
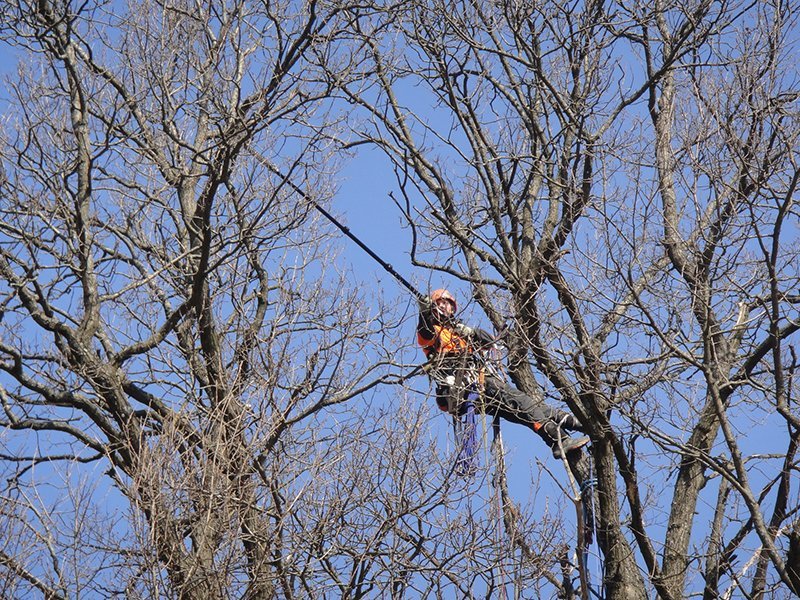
<point x="345" y="230"/>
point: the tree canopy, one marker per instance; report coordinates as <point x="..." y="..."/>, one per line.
<point x="202" y="398"/>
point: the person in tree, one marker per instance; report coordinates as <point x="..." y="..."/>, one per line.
<point x="448" y="346"/>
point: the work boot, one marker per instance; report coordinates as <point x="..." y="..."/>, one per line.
<point x="570" y="445"/>
<point x="551" y="434"/>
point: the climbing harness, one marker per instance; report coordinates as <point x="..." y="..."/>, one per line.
<point x="463" y="377"/>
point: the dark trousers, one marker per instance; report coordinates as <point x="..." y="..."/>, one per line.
<point x="507" y="402"/>
<point x="510" y="404"/>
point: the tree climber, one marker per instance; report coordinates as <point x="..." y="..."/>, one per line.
<point x="448" y="345"/>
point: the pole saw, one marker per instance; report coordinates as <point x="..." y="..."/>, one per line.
<point x="345" y="230"/>
<point x="387" y="267"/>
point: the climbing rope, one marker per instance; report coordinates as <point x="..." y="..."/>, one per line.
<point x="589" y="524"/>
<point x="497" y="447"/>
<point x="467" y="437"/>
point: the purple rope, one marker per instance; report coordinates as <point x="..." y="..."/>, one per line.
<point x="466" y="462"/>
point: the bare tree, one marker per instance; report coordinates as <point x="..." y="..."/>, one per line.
<point x="192" y="387"/>
<point x="163" y="319"/>
<point x="616" y="184"/>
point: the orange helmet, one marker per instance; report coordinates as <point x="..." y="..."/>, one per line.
<point x="443" y="294"/>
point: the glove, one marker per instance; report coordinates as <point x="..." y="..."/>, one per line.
<point x="463" y="330"/>
<point x="424" y="303"/>
<point x="481" y="336"/>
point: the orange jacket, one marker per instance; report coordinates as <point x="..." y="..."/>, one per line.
<point x="443" y="341"/>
